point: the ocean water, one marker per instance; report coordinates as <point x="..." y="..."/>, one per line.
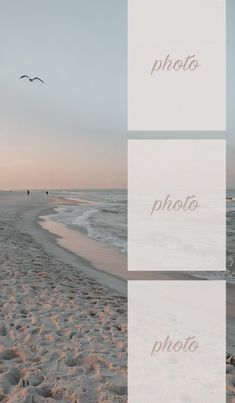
<point x="103" y="217"/>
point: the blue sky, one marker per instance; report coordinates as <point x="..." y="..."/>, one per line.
<point x="72" y="131"/>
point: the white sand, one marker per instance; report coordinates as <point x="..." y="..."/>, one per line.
<point x="62" y="334"/>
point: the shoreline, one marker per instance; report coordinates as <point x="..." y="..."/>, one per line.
<point x="102" y="257"/>
<point x="51" y="244"/>
<point x="69" y="239"/>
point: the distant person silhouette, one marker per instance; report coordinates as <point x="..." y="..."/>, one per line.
<point x="28" y="192"/>
<point x="47" y="192"/>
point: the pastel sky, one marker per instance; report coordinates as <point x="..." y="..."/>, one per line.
<point x="72" y="131"/>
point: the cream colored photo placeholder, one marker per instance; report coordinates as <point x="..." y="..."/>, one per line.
<point x="176" y="205"/>
<point x="177" y="65"/>
<point x="176" y="341"/>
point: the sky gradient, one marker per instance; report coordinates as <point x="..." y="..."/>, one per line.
<point x="72" y="131"/>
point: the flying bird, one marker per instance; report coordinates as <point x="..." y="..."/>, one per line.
<point x="32" y="79"/>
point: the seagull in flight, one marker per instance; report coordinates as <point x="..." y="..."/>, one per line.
<point x="32" y="79"/>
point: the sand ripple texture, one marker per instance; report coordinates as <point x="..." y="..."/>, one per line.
<point x="63" y="336"/>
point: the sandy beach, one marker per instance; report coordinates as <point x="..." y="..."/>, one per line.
<point x="63" y="321"/>
<point x="63" y="333"/>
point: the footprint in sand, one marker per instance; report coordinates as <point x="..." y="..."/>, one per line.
<point x="3" y="331"/>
